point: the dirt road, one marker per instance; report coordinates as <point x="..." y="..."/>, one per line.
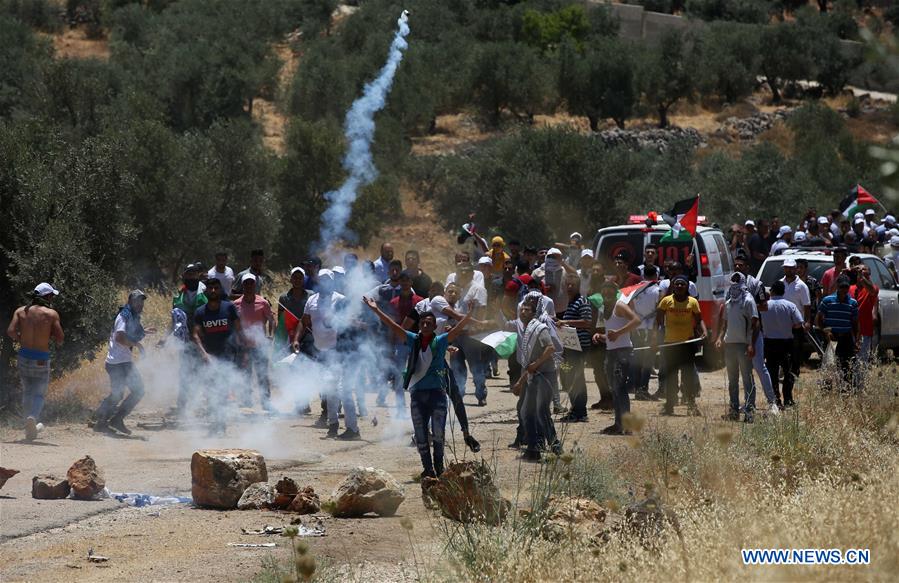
<point x="48" y="540"/>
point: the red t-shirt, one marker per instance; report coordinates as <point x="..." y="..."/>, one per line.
<point x="253" y="316"/>
<point x="829" y="281"/>
<point x="867" y="303"/>
<point x="402" y="307"/>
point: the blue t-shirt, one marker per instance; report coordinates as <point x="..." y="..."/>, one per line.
<point x="839" y="316"/>
<point x="430" y="365"/>
<point x="217" y="326"/>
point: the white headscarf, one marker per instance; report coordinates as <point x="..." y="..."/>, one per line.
<point x="737" y="289"/>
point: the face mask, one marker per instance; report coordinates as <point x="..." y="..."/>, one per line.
<point x="192" y="284"/>
<point x="553" y="264"/>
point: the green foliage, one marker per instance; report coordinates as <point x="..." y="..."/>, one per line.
<point x="40" y="14"/>
<point x="22" y="55"/>
<point x="512" y="76"/>
<point x="727" y="55"/>
<point x="664" y="74"/>
<point x="784" y="55"/>
<point x="600" y="82"/>
<point x="548" y="30"/>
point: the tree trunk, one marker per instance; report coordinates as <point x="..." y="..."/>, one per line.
<point x="663" y="116"/>
<point x="772" y="83"/>
<point x="619" y="121"/>
<point x="594" y="123"/>
<point x="432" y="126"/>
<point x="822" y="5"/>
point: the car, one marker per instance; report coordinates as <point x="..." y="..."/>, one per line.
<point x="887" y="329"/>
<point x="714" y="262"/>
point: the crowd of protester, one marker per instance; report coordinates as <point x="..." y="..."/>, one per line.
<point x="624" y="317"/>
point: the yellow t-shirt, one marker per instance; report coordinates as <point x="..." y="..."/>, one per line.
<point x="678" y="318"/>
<point x="498" y="259"/>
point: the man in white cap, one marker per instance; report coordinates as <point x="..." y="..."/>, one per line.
<point x="784" y="239"/>
<point x="797" y="292"/>
<point x="585" y="271"/>
<point x="554" y="278"/>
<point x="886" y="224"/>
<point x="258" y="325"/>
<point x="127" y="333"/>
<point x="871" y="219"/>
<point x="325" y="317"/>
<point x="799" y="239"/>
<point x="573" y="248"/>
<point x="33" y="326"/>
<point x="824" y="230"/>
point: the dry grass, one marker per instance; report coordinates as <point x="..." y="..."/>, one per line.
<point x="821" y="476"/>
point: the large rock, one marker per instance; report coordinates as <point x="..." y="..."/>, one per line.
<point x="367" y="490"/>
<point x="85" y="478"/>
<point x="578" y="516"/>
<point x="219" y="477"/>
<point x="305" y="502"/>
<point x="285" y="491"/>
<point x="465" y="492"/>
<point x="47" y="487"/>
<point x="5" y="474"/>
<point x="258" y="496"/>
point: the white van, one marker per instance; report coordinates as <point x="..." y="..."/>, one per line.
<point x="714" y="264"/>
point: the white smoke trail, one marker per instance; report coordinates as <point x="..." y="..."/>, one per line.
<point x="359" y="128"/>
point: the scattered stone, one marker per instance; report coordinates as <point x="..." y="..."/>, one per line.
<point x="647" y="519"/>
<point x="367" y="490"/>
<point x="465" y="492"/>
<point x="219" y="477"/>
<point x="47" y="487"/>
<point x="258" y="496"/>
<point x="285" y="491"/>
<point x="748" y="128"/>
<point x="652" y="139"/>
<point x="85" y="479"/>
<point x="306" y="502"/>
<point x="5" y="474"/>
<point x="579" y="516"/>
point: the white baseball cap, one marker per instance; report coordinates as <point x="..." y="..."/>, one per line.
<point x="45" y="289"/>
<point x="575" y="235"/>
<point x="789" y="262"/>
<point x="894" y="242"/>
<point x="326" y="274"/>
<point x="889" y="219"/>
<point x="786" y="229"/>
<point x="749" y="223"/>
<point x="858" y="216"/>
<point x="858" y="220"/>
<point x="587" y="253"/>
<point x="870" y="212"/>
<point x="248" y="277"/>
<point x="799" y="237"/>
<point x="339" y="269"/>
<point x="553" y="251"/>
<point x="823" y="221"/>
<point x="298" y="270"/>
<point x="485" y="261"/>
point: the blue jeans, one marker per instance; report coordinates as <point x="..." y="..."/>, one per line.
<point x="539" y="430"/>
<point x="35" y="377"/>
<point x="339" y="393"/>
<point x="739" y="365"/>
<point x="428" y="409"/>
<point x="618" y="364"/>
<point x="574" y="382"/>
<point x="472" y="355"/>
<point x="761" y="369"/>
<point x="121" y="376"/>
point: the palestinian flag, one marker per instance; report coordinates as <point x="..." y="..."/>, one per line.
<point x="504" y="343"/>
<point x="287" y="325"/>
<point x="857" y="201"/>
<point x="684" y="216"/>
<point x="630" y="292"/>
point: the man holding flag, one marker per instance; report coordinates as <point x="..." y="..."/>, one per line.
<point x="857" y="201"/>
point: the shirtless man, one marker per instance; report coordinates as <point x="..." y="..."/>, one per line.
<point x="33" y="326"/>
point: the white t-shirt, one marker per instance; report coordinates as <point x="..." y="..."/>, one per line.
<point x="118" y="353"/>
<point x="434" y="306"/>
<point x="322" y="315"/>
<point x="644" y="304"/>
<point x="226" y="278"/>
<point x="477" y="277"/>
<point x="739" y="315"/>
<point x="797" y="292"/>
<point x="475" y="292"/>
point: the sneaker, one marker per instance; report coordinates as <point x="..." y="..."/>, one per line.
<point x="556" y="447"/>
<point x="779" y="404"/>
<point x="530" y="455"/>
<point x="30" y="429"/>
<point x="731" y="416"/>
<point x="773" y="410"/>
<point x="789" y="403"/>
<point x="612" y="430"/>
<point x="602" y="406"/>
<point x="482" y="402"/>
<point x="573" y="419"/>
<point x="644" y="396"/>
<point x="39" y="427"/>
<point x="118" y="424"/>
<point x="514" y="445"/>
<point x="349" y="435"/>
<point x="332" y="429"/>
<point x="321" y="422"/>
<point x="559" y="409"/>
<point x="473" y="444"/>
<point x="747" y="418"/>
<point x="667" y="411"/>
<point x="101" y="426"/>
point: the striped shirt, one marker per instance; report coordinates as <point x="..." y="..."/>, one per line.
<point x="579" y="309"/>
<point x="839" y="316"/>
